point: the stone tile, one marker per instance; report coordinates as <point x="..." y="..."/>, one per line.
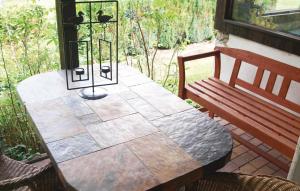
<point x="284" y="160"/>
<point x="264" y="147"/>
<point x="116" y="89"/>
<point x="144" y="108"/>
<point x="229" y="127"/>
<point x="115" y="168"/>
<point x="274" y="153"/>
<point x="243" y="159"/>
<point x="240" y="149"/>
<point x="163" y="157"/>
<point x="134" y="80"/>
<point x="247" y="169"/>
<point x="127" y="95"/>
<point x="254" y="154"/>
<point x="161" y="99"/>
<point x="238" y="131"/>
<point x="234" y="155"/>
<point x="272" y="166"/>
<point x="281" y="173"/>
<point x="150" y="90"/>
<point x="72" y="147"/>
<point x="168" y="104"/>
<point x="224" y="122"/>
<point x="125" y="70"/>
<point x="70" y="128"/>
<point x="246" y="136"/>
<point x="255" y="141"/>
<point x="201" y="137"/>
<point x="77" y="105"/>
<point x="230" y="167"/>
<point x="55" y="120"/>
<point x="89" y="119"/>
<point x="121" y="130"/>
<point x="33" y="89"/>
<point x="111" y="107"/>
<point x="259" y="162"/>
<point x="217" y="118"/>
<point x="265" y="170"/>
<point x="236" y="143"/>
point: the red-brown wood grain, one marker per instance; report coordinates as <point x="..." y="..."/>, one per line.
<point x="263" y="119"/>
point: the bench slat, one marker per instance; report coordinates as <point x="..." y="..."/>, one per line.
<point x="286" y="103"/>
<point x="284" y="88"/>
<point x="263" y="62"/>
<point x="263" y="122"/>
<point x="235" y="72"/>
<point x="271" y="82"/>
<point x="251" y="108"/>
<point x="217" y="65"/>
<point x="258" y="77"/>
<point x="285" y="146"/>
<point x="259" y="103"/>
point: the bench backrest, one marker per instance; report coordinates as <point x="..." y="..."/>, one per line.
<point x="276" y="68"/>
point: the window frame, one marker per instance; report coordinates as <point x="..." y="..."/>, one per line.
<point x="279" y="40"/>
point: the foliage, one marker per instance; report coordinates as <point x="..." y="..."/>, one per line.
<point x="158" y="24"/>
<point x="29" y="45"/>
<point x="20" y="152"/>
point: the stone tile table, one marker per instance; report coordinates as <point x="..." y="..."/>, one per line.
<point x="139" y="137"/>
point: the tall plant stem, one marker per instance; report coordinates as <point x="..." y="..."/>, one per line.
<point x="135" y="47"/>
<point x="26" y="56"/>
<point x="126" y="57"/>
<point x="144" y="46"/>
<point x="155" y="52"/>
<point x="169" y="66"/>
<point x="8" y="80"/>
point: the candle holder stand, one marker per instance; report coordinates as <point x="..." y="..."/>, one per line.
<point x="93" y="61"/>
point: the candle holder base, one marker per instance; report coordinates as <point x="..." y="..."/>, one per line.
<point x="89" y="94"/>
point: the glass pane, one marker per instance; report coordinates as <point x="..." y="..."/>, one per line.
<point x="287" y="4"/>
<point x="277" y="15"/>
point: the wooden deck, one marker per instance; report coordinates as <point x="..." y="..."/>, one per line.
<point x="246" y="161"/>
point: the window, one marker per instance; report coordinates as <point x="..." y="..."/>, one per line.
<point x="275" y="23"/>
<point x="277" y="15"/>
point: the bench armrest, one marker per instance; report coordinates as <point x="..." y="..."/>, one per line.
<point x="186" y="58"/>
<point x="181" y="65"/>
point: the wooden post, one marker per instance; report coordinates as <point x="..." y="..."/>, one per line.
<point x="181" y="85"/>
<point x="66" y="34"/>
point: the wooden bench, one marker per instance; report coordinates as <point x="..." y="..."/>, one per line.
<point x="259" y="114"/>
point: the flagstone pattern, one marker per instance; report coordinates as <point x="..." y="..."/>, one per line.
<point x="139" y="137"/>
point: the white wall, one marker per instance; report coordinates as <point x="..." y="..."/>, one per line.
<point x="247" y="71"/>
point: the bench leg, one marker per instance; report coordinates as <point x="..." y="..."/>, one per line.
<point x="211" y="114"/>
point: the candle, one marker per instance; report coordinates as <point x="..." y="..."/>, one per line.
<point x="79" y="71"/>
<point x="105" y="69"/>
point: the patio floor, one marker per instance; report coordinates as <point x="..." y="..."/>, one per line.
<point x="246" y="161"/>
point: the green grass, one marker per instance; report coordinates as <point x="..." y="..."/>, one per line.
<point x="198" y="70"/>
<point x="195" y="71"/>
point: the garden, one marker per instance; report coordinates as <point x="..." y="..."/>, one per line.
<point x="152" y="34"/>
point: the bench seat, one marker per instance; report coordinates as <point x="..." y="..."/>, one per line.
<point x="254" y="109"/>
<point x="260" y="118"/>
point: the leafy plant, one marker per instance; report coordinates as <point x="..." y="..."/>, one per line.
<point x="20" y="152"/>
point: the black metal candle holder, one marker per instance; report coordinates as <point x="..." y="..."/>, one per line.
<point x="90" y="74"/>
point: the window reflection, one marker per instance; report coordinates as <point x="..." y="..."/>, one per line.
<point x="277" y="15"/>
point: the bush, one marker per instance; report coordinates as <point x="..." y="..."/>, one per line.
<point x="28" y="46"/>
